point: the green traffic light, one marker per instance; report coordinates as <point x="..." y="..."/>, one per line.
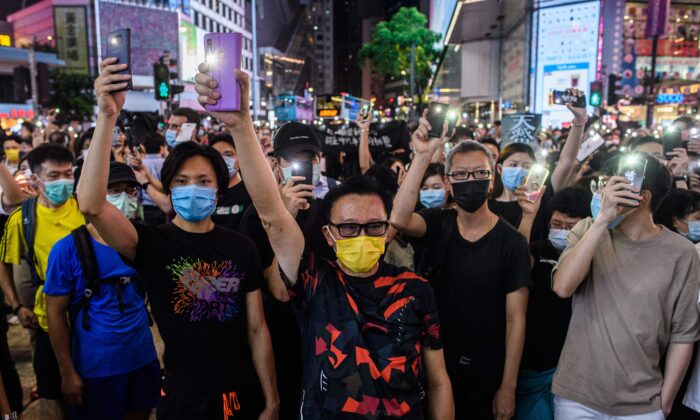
<point x="163" y="90"/>
<point x="595" y="99"/>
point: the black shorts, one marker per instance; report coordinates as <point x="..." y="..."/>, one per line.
<point x="48" y="375"/>
<point x="243" y="404"/>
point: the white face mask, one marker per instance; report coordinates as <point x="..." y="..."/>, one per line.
<point x="126" y="205"/>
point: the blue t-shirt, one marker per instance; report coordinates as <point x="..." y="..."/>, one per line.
<point x="116" y="342"/>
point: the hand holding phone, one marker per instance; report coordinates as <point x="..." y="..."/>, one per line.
<point x="590" y="146"/>
<point x="535" y="181"/>
<point x="223" y="55"/>
<point x="561" y="97"/>
<point x="303" y="168"/>
<point x="185" y="133"/>
<point x="671" y="140"/>
<point x="633" y="167"/>
<point x="437" y="113"/>
<point x="119" y="46"/>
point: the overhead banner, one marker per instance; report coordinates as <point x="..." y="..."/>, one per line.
<point x="383" y="138"/>
<point x="521" y="128"/>
<point x="70" y="23"/>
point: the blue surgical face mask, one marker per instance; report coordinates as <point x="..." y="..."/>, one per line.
<point x="59" y="191"/>
<point x="170" y="138"/>
<point x="127" y="205"/>
<point x="432" y="198"/>
<point x="693" y="231"/>
<point x="559" y="238"/>
<point x="193" y="203"/>
<point x="596" y="203"/>
<point x="230" y="164"/>
<point x="513" y="177"/>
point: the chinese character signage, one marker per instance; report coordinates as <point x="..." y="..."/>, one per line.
<point x="520" y="128"/>
<point x="70" y="23"/>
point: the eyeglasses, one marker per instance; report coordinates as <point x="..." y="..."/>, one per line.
<point x="130" y="191"/>
<point x="481" y="174"/>
<point x="352" y="230"/>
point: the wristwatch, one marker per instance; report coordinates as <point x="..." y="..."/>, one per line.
<point x="683" y="178"/>
<point x="145" y="185"/>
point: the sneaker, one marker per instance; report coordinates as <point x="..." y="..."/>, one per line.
<point x="13" y="320"/>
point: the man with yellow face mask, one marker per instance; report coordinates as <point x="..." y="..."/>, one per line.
<point x="11" y="150"/>
<point x="370" y="332"/>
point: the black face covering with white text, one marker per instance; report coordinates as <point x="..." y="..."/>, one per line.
<point x="471" y="195"/>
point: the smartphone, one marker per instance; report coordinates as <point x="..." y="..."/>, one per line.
<point x="223" y="54"/>
<point x="592" y="119"/>
<point x="115" y="136"/>
<point x="633" y="166"/>
<point x="452" y="118"/>
<point x="589" y="147"/>
<point x="303" y="168"/>
<point x="119" y="45"/>
<point x="560" y="97"/>
<point x="437" y="112"/>
<point x="535" y="181"/>
<point x="185" y="133"/>
<point x="672" y="140"/>
<point x="365" y="112"/>
<point x="696" y="168"/>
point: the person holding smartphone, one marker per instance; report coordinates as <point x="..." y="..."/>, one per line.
<point x="677" y="162"/>
<point x="630" y="307"/>
<point x="202" y="280"/>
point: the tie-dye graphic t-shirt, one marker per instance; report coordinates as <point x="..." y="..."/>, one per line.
<point x="363" y="340"/>
<point x="197" y="285"/>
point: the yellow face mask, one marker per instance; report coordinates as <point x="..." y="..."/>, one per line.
<point x="361" y="253"/>
<point x="12" y="155"/>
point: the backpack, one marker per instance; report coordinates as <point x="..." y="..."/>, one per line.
<point x="431" y="263"/>
<point x="29" y="231"/>
<point x="88" y="260"/>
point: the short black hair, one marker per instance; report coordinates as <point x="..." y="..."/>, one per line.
<point x="685" y="120"/>
<point x="225" y="137"/>
<point x="491" y="141"/>
<point x="59" y="137"/>
<point x="153" y="142"/>
<point x="189" y="149"/>
<point x="28" y="125"/>
<point x="657" y="178"/>
<point x="384" y="178"/>
<point x="679" y="203"/>
<point x="48" y="152"/>
<point x="572" y="201"/>
<point x="357" y="184"/>
<point x="433" y="169"/>
<point x="189" y="113"/>
<point x="638" y="141"/>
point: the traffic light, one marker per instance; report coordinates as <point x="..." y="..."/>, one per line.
<point x="596" y="96"/>
<point x="20" y="84"/>
<point x="613" y="87"/>
<point x="161" y="81"/>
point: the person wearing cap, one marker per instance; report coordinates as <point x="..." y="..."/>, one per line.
<point x="296" y="142"/>
<point x="108" y="363"/>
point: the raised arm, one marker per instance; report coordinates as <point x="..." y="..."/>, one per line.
<point x="567" y="159"/>
<point x="11" y="192"/>
<point x="112" y="225"/>
<point x="403" y="217"/>
<point x="575" y="263"/>
<point x="285" y="235"/>
<point x="364" y="155"/>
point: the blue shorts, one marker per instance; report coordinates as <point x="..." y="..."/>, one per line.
<point x="111" y="397"/>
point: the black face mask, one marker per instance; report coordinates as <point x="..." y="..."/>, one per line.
<point x="471" y="195"/>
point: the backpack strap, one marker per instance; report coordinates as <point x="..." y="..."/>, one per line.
<point x="29" y="232"/>
<point x="86" y="254"/>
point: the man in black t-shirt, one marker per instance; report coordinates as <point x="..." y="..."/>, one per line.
<point x="202" y="279"/>
<point x="548" y="315"/>
<point x="233" y="203"/>
<point x="371" y="336"/>
<point x="480" y="273"/>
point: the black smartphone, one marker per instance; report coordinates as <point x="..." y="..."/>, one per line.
<point x="672" y="140"/>
<point x="119" y="45"/>
<point x="561" y="97"/>
<point x="592" y="119"/>
<point x="452" y="118"/>
<point x="303" y="168"/>
<point x="364" y="112"/>
<point x="633" y="166"/>
<point x="437" y="112"/>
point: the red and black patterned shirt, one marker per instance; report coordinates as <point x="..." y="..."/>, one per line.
<point x="363" y="340"/>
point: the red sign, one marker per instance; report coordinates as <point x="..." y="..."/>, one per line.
<point x="668" y="48"/>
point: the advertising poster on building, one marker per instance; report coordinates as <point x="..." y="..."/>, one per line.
<point x="152" y="31"/>
<point x="71" y="38"/>
<point x="191" y="50"/>
<point x="567" y="53"/>
<point x="513" y="67"/>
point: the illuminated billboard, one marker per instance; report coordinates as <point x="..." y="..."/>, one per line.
<point x="567" y="53"/>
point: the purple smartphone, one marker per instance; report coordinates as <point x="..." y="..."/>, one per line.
<point x="223" y="54"/>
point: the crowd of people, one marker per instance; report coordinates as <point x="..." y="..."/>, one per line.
<point x="433" y="283"/>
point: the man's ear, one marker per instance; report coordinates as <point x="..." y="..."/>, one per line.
<point x="646" y="198"/>
<point x="327" y="235"/>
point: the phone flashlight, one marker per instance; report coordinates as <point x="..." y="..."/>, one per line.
<point x="114" y="40"/>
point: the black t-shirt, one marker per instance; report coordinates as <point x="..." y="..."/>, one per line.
<point x="231" y="206"/>
<point x="363" y="340"/>
<point x="471" y="293"/>
<point x="548" y="315"/>
<point x="511" y="212"/>
<point x="310" y="221"/>
<point x="197" y="285"/>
